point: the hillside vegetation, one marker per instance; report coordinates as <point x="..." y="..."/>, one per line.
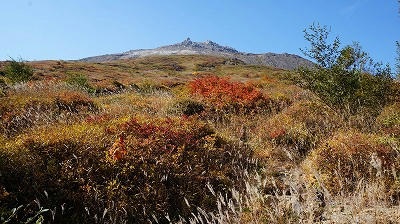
<point x="196" y="139"/>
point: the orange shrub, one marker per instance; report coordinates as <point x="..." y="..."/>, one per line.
<point x="118" y="150"/>
<point x="98" y="118"/>
<point x="222" y="93"/>
<point x="74" y="102"/>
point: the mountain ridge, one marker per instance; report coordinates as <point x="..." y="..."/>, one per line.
<point x="189" y="47"/>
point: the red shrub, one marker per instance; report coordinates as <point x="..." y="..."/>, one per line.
<point x="222" y="92"/>
<point x="160" y="161"/>
<point x="167" y="134"/>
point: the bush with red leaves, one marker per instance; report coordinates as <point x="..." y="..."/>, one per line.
<point x="223" y="93"/>
<point x="161" y="161"/>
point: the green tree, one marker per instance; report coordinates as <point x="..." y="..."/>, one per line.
<point x="398" y="55"/>
<point x="398" y="59"/>
<point x="324" y="53"/>
<point x="346" y="78"/>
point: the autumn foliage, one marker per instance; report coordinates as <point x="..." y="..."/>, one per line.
<point x="222" y="92"/>
<point x="165" y="160"/>
<point x="138" y="163"/>
<point x="161" y="136"/>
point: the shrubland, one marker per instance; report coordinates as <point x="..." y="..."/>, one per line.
<point x="201" y="139"/>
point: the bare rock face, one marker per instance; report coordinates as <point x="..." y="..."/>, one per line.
<point x="189" y="47"/>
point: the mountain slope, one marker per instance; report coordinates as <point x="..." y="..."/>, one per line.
<point x="188" y="47"/>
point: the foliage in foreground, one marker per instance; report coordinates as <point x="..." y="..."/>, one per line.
<point x="143" y="166"/>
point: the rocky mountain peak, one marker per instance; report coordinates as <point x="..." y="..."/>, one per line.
<point x="187" y="41"/>
<point x="201" y="47"/>
<point x="209" y="42"/>
<point x="189" y="47"/>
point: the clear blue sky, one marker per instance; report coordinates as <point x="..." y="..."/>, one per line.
<point x="72" y="29"/>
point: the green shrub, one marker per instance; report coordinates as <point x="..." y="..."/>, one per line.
<point x="186" y="107"/>
<point x="80" y="81"/>
<point x="18" y="71"/>
<point x="149" y="87"/>
<point x="3" y="86"/>
<point x="389" y="120"/>
<point x="3" y="83"/>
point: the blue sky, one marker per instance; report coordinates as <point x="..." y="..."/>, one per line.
<point x="72" y="29"/>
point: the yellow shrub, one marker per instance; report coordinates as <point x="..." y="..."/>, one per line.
<point x="349" y="157"/>
<point x="133" y="103"/>
<point x="25" y="109"/>
<point x="300" y="127"/>
<point x="389" y="120"/>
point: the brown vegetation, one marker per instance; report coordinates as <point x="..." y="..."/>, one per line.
<point x="189" y="139"/>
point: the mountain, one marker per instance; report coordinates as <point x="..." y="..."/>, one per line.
<point x="189" y="47"/>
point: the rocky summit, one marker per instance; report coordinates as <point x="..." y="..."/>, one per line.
<point x="189" y="47"/>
